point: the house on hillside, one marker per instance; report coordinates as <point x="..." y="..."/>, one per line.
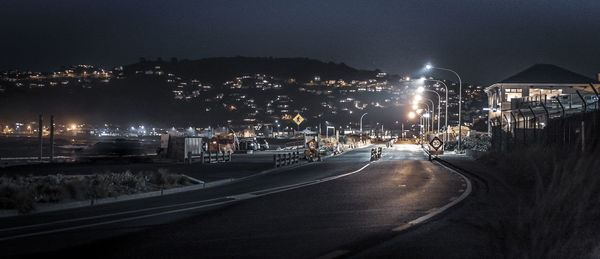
<point x="531" y="97"/>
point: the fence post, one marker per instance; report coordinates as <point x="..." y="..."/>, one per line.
<point x="534" y="123"/>
<point x="508" y="129"/>
<point x="597" y="96"/>
<point x="582" y="134"/>
<point x="561" y="106"/>
<point x="275" y="160"/>
<point x="582" y="100"/>
<point x="202" y="157"/>
<point x="524" y="127"/>
<point x="189" y="158"/>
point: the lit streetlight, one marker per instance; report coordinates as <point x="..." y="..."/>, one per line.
<point x="430" y="67"/>
<point x="422" y="89"/>
<point x="412" y="115"/>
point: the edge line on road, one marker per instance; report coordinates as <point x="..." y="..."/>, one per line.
<point x="449" y="205"/>
<point x="229" y="199"/>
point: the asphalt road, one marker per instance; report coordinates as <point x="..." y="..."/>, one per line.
<point x="338" y="207"/>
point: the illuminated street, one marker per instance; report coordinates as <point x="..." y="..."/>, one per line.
<point x="300" y="129"/>
<point x="282" y="214"/>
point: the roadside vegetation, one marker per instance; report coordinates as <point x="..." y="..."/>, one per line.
<point x="24" y="192"/>
<point x="478" y="143"/>
<point x="557" y="208"/>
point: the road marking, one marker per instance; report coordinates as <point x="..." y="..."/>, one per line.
<point x="452" y="203"/>
<point x="334" y="254"/>
<point x="229" y="199"/>
<point x="109" y="215"/>
<point x="402" y="185"/>
<point x="461" y="190"/>
<point x="403" y="227"/>
<point x="452" y="198"/>
<point x="431" y="210"/>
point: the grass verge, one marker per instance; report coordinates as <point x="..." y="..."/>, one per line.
<point x="22" y="193"/>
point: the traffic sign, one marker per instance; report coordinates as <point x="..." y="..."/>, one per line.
<point x="436" y="143"/>
<point x="298" y="119"/>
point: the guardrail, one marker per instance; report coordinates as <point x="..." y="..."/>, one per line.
<point x="209" y="157"/>
<point x="286" y="159"/>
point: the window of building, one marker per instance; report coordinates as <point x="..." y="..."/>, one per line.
<point x="541" y="94"/>
<point x="512" y="93"/>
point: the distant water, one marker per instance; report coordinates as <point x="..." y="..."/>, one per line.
<point x="13" y="146"/>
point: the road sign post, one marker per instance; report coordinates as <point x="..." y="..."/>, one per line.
<point x="436" y="144"/>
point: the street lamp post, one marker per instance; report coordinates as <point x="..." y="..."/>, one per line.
<point x="361" y="131"/>
<point x="432" y="110"/>
<point x="428" y="110"/>
<point x="429" y="67"/>
<point x="446" y="116"/>
<point x="439" y="105"/>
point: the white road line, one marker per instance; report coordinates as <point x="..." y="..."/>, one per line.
<point x="113" y="221"/>
<point x="239" y="197"/>
<point x="449" y="205"/>
<point x="109" y="215"/>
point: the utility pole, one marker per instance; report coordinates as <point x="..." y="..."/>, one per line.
<point x="40" y="136"/>
<point x="51" y="138"/>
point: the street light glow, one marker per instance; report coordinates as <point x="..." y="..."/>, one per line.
<point x="411" y="115"/>
<point x="428" y="67"/>
<point x="421" y="89"/>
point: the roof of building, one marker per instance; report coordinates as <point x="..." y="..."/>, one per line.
<point x="547" y="74"/>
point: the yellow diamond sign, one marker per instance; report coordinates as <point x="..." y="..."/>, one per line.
<point x="298" y="119"/>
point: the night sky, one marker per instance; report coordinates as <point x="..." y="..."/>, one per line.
<point x="484" y="40"/>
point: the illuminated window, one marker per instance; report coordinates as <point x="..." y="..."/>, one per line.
<point x="512" y="93"/>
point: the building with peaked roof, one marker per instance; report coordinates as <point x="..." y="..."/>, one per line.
<point x="542" y="89"/>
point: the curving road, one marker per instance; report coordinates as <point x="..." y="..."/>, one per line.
<point x="338" y="207"/>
